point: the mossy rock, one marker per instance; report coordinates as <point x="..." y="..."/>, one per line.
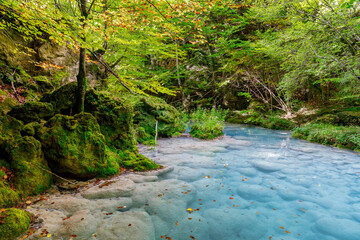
<point x="10" y="130"/>
<point x="16" y="223"/>
<point x="6" y="103"/>
<point x="138" y="162"/>
<point x="62" y="99"/>
<point x="8" y="197"/>
<point x="115" y="117"/>
<point x="30" y="167"/>
<point x="200" y="131"/>
<point x="75" y="147"/>
<point x="32" y="111"/>
<point x="148" y="110"/>
<point x="44" y="83"/>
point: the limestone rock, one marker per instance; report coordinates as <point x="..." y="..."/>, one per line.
<point x="75" y="147"/>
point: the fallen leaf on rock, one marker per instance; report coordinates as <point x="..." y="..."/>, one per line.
<point x="231" y="198"/>
<point x="192" y="237"/>
<point x="73" y="235"/>
<point x="28" y="202"/>
<point x="176" y="223"/>
<point x="287" y="231"/>
<point x="107" y="214"/>
<point x="303" y="210"/>
<point x="282" y="227"/>
<point x="129" y="225"/>
<point x="65" y="218"/>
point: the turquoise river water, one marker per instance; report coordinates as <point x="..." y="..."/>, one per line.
<point x="258" y="184"/>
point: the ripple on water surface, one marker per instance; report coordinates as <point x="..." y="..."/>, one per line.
<point x="257" y="184"/>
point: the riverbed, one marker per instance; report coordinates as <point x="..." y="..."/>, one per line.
<point x="251" y="184"/>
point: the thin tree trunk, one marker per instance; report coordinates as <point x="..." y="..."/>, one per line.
<point x="81" y="77"/>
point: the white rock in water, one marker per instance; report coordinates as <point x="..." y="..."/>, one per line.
<point x="265" y="166"/>
<point x="343" y="229"/>
<point x="126" y="226"/>
<point x="51" y="222"/>
<point x="157" y="172"/>
<point x="82" y="224"/>
<point x="137" y="178"/>
<point x="121" y="187"/>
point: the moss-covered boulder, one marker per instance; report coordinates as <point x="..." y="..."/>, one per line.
<point x="24" y="156"/>
<point x="10" y="130"/>
<point x="74" y="146"/>
<point x="32" y="111"/>
<point x="6" y="102"/>
<point x="62" y="99"/>
<point x="44" y="84"/>
<point x="115" y="117"/>
<point x="30" y="167"/>
<point x="150" y="109"/>
<point x="14" y="222"/>
<point x="8" y="197"/>
<point x="138" y="162"/>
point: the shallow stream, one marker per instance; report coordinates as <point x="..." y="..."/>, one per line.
<point x="262" y="184"/>
<point x="252" y="184"/>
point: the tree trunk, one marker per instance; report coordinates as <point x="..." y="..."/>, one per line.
<point x="81" y="77"/>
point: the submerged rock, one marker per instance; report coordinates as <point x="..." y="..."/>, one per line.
<point x="74" y="146"/>
<point x="15" y="223"/>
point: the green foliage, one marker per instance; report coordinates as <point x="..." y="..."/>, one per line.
<point x="275" y="122"/>
<point x="207" y="124"/>
<point x="338" y="136"/>
<point x="16" y="222"/>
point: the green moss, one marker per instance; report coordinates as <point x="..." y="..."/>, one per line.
<point x="32" y="111"/>
<point x="6" y="103"/>
<point x="44" y="83"/>
<point x="147" y="111"/>
<point x="138" y="162"/>
<point x="30" y="167"/>
<point x="115" y="117"/>
<point x="16" y="223"/>
<point x="62" y="99"/>
<point x="75" y="147"/>
<point x="8" y="197"/>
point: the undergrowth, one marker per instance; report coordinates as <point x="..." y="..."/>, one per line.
<point x="207" y="124"/>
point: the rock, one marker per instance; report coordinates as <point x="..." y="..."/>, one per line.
<point x="31" y="169"/>
<point x="62" y="99"/>
<point x="44" y="84"/>
<point x="81" y="223"/>
<point x="115" y="118"/>
<point x="6" y="103"/>
<point x="16" y="222"/>
<point x="75" y="147"/>
<point x="32" y="111"/>
<point x="118" y="188"/>
<point x="343" y="229"/>
<point x="8" y="197"/>
<point x="127" y="225"/>
<point x="147" y="111"/>
<point x="136" y="178"/>
<point x="51" y="221"/>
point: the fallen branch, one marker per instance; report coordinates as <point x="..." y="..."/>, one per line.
<point x="53" y="173"/>
<point x="13" y="87"/>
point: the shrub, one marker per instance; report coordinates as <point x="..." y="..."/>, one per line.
<point x="275" y="122"/>
<point x="339" y="136"/>
<point x="207" y="124"/>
